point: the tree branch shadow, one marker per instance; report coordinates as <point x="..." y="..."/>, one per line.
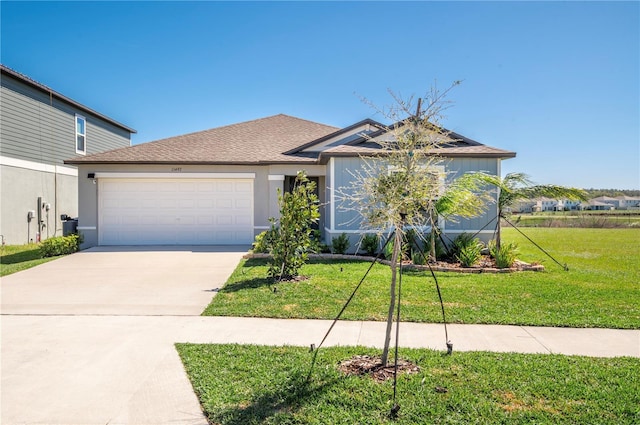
<point x="284" y="401"/>
<point x="254" y="283"/>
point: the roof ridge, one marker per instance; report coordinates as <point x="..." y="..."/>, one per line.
<point x="238" y="124"/>
<point x="25" y="79"/>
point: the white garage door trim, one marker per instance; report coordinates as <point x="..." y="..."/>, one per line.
<point x="108" y="175"/>
<point x="175" y="209"/>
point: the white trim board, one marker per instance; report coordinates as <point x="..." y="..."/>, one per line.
<point x="115" y="175"/>
<point x="38" y="166"/>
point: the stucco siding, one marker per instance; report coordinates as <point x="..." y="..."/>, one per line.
<point x="20" y="191"/>
<point x="88" y="222"/>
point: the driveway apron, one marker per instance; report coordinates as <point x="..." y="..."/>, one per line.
<point x="79" y="343"/>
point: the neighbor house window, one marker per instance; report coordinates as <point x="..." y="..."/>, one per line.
<point x="81" y="134"/>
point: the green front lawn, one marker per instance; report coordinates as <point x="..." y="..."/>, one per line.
<point x="14" y="258"/>
<point x="267" y="385"/>
<point x="600" y="289"/>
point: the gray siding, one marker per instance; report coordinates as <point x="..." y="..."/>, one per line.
<point x="457" y="167"/>
<point x="40" y="128"/>
<point x="345" y="219"/>
<point x="349" y="221"/>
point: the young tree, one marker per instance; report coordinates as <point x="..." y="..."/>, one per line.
<point x="516" y="186"/>
<point x="290" y="236"/>
<point x="400" y="187"/>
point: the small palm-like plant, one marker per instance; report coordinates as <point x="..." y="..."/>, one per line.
<point x="467" y="250"/>
<point x="504" y="255"/>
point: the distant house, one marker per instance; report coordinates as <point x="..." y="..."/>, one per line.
<point x="593" y="205"/>
<point x="39" y="128"/>
<point x="220" y="186"/>
<point x="545" y="204"/>
<point x="615" y="203"/>
<point x="628" y="202"/>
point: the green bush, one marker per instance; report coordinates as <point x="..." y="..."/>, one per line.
<point x="262" y="242"/>
<point x="460" y="242"/>
<point x="418" y="258"/>
<point x="370" y="244"/>
<point x="340" y="244"/>
<point x="470" y="254"/>
<point x="441" y="252"/>
<point x="505" y="256"/>
<point x="467" y="249"/>
<point x="60" y="245"/>
<point x="291" y="239"/>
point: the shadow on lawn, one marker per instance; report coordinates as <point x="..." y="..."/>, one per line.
<point x="20" y="257"/>
<point x="253" y="283"/>
<point x="283" y="401"/>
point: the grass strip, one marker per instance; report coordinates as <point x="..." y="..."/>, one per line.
<point x="246" y="384"/>
<point x="15" y="258"/>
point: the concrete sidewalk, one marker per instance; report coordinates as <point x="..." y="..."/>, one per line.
<point x="140" y="380"/>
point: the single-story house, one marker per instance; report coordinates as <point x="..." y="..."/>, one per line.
<point x="219" y="186"/>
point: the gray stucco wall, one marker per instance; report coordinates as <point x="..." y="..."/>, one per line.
<point x="20" y="189"/>
<point x="265" y="190"/>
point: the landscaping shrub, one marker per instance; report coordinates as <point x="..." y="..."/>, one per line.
<point x="463" y="240"/>
<point x="340" y="244"/>
<point x="60" y="245"/>
<point x="467" y="249"/>
<point x="291" y="233"/>
<point x="262" y="242"/>
<point x="441" y="252"/>
<point x="470" y="254"/>
<point x="418" y="258"/>
<point x="505" y="256"/>
<point x="370" y="244"/>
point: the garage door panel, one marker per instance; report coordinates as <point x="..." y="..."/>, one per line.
<point x="182" y="211"/>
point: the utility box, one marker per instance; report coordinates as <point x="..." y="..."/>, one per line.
<point x="69" y="226"/>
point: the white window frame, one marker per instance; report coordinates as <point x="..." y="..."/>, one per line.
<point x="84" y="135"/>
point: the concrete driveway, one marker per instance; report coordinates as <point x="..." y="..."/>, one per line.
<point x="137" y="281"/>
<point x="82" y="342"/>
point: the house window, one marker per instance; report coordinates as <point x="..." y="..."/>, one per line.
<point x="81" y="135"/>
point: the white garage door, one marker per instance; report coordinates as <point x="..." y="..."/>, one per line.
<point x="175" y="211"/>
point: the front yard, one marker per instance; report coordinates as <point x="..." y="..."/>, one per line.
<point x="267" y="385"/>
<point x="599" y="290"/>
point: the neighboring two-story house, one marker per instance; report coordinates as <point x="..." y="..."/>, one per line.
<point x="39" y="129"/>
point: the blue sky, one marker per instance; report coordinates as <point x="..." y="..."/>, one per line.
<point x="557" y="82"/>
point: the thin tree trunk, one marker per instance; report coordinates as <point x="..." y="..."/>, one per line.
<point x="397" y="243"/>
<point x="499" y="227"/>
<point x="432" y="248"/>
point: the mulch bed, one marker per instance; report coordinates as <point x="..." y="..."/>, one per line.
<point x="485" y="265"/>
<point x="372" y="366"/>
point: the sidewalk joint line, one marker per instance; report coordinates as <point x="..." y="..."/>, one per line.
<point x="536" y="339"/>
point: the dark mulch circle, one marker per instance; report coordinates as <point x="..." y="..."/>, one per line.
<point x="372" y="366"/>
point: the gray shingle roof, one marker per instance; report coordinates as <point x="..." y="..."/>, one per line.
<point x="252" y="142"/>
<point x="278" y="139"/>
